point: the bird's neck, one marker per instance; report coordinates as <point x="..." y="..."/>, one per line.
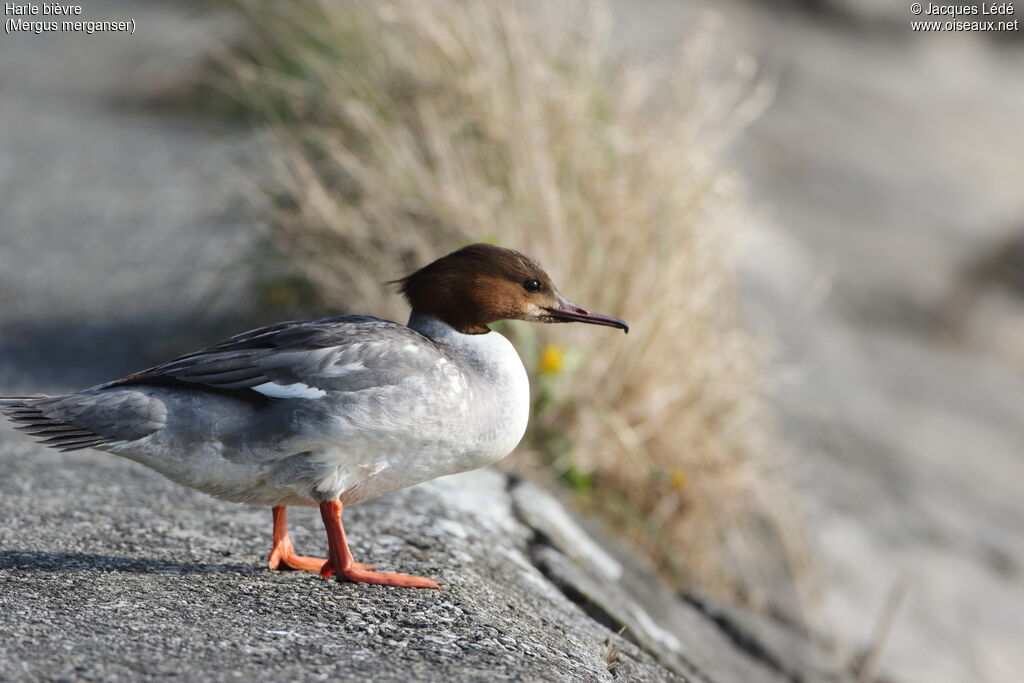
<point x="437" y="329"/>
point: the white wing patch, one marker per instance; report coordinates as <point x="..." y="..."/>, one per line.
<point x="339" y="370"/>
<point x="297" y="390"/>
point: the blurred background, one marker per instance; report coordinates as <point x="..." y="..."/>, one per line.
<point x="811" y="216"/>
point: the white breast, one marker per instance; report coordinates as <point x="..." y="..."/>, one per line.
<point x="473" y="416"/>
<point x="501" y="381"/>
<point x="496" y="418"/>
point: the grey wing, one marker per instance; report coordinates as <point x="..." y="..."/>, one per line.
<point x="87" y="419"/>
<point x="292" y="360"/>
<point x="305" y="359"/>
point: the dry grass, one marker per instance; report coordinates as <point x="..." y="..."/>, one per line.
<point x="406" y="129"/>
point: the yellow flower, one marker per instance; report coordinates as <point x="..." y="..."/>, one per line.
<point x="276" y="295"/>
<point x="551" y="359"/>
<point x="678" y="478"/>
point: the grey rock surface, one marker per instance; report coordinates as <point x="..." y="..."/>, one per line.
<point x="621" y="590"/>
<point x="107" y="571"/>
<point x="115" y="234"/>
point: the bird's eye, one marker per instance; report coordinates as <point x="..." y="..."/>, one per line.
<point x="532" y="286"/>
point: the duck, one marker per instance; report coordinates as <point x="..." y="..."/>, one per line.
<point x="333" y="411"/>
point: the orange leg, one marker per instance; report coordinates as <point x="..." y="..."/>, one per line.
<point x="340" y="557"/>
<point x="283" y="556"/>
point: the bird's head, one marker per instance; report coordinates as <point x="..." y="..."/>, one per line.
<point x="481" y="284"/>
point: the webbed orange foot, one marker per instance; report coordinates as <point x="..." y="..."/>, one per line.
<point x="344" y="568"/>
<point x="283" y="555"/>
<point x="383" y="579"/>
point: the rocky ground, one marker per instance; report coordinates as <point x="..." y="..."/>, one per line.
<point x="118" y="221"/>
<point x="109" y="572"/>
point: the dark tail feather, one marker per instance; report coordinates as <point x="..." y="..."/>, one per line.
<point x="30" y="416"/>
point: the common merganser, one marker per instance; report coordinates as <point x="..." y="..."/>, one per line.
<point x="334" y="411"/>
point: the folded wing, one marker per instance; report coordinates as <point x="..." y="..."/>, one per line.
<point x="305" y="359"/>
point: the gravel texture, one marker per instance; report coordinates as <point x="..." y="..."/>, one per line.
<point x="109" y="572"/>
